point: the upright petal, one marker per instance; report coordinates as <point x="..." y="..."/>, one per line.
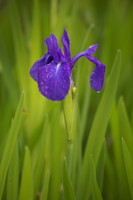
<point x="66" y="44"/>
<point x="54" y="81"/>
<point x="53" y="48"/>
<point x="97" y="76"/>
<point x="52" y="44"/>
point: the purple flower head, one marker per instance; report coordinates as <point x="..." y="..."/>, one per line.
<point x="53" y="71"/>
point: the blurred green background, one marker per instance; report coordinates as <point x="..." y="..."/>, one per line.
<point x="80" y="148"/>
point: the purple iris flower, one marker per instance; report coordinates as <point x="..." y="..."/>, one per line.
<point x="53" y="71"/>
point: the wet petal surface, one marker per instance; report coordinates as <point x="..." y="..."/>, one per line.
<point x="54" y="81"/>
<point x="47" y="58"/>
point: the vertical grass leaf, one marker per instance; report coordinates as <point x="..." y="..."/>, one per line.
<point x="110" y="176"/>
<point x="39" y="166"/>
<point x="26" y="187"/>
<point x="101" y="166"/>
<point x="94" y="185"/>
<point x="44" y="193"/>
<point x="68" y="190"/>
<point x="128" y="160"/>
<point x="10" y="142"/>
<point x="118" y="162"/>
<point x="125" y="126"/>
<point x="13" y="175"/>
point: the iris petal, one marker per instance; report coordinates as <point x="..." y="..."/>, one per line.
<point x="85" y="53"/>
<point x="52" y="44"/>
<point x="54" y="81"/>
<point x="66" y="44"/>
<point x="91" y="49"/>
<point x="39" y="63"/>
<point x="97" y="76"/>
<point x="53" y="48"/>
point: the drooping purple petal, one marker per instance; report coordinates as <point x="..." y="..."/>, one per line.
<point x="97" y="76"/>
<point x="34" y="71"/>
<point x="86" y="53"/>
<point x="66" y="44"/>
<point x="47" y="58"/>
<point x="54" y="80"/>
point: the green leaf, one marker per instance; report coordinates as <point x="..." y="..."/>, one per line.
<point x="94" y="186"/>
<point x="98" y="129"/>
<point x="10" y="142"/>
<point x="118" y="164"/>
<point x="44" y="193"/>
<point x="13" y="175"/>
<point x="68" y="190"/>
<point x="128" y="160"/>
<point x="39" y="167"/>
<point x="110" y="178"/>
<point x="26" y="188"/>
<point x="125" y="126"/>
<point x="101" y="166"/>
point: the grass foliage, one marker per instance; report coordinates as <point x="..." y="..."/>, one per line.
<point x="80" y="148"/>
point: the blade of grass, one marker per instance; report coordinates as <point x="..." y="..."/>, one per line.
<point x="128" y="161"/>
<point x="93" y="180"/>
<point x="44" y="193"/>
<point x="26" y="188"/>
<point x="101" y="166"/>
<point x="68" y="190"/>
<point x="39" y="167"/>
<point x="10" y="142"/>
<point x="110" y="192"/>
<point x="98" y="129"/>
<point x="118" y="164"/>
<point x="13" y="175"/>
<point x="125" y="126"/>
